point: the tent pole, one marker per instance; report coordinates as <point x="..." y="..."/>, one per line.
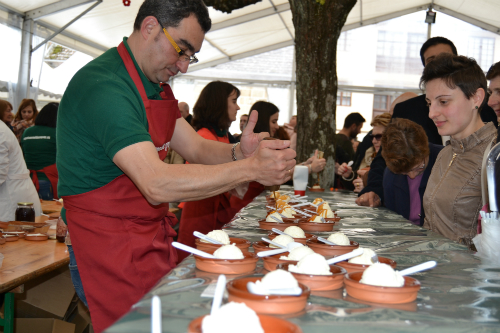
<point x="429" y="28"/>
<point x="23" y="81"/>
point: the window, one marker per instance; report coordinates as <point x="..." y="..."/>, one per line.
<point x="344" y="42"/>
<point x="481" y="49"/>
<point x="343" y="98"/>
<point x="381" y="104"/>
<point x="399" y="52"/>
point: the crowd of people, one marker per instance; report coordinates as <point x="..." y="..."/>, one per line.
<point x="121" y="163"/>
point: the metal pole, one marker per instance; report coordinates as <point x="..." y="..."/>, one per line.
<point x="429" y="28"/>
<point x="23" y="81"/>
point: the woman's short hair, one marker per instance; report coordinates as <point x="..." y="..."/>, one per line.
<point x="4" y="105"/>
<point x="47" y="115"/>
<point x="265" y="110"/>
<point x="383" y="120"/>
<point x="25" y="103"/>
<point x="456" y="71"/>
<point x="404" y="145"/>
<point x="210" y="110"/>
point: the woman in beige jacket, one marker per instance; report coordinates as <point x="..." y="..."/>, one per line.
<point x="455" y="90"/>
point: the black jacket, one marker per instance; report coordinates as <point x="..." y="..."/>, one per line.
<point x="397" y="192"/>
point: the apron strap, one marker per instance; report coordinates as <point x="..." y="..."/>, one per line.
<point x="129" y="64"/>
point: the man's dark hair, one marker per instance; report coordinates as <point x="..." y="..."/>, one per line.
<point x="353" y="118"/>
<point x="265" y="110"/>
<point x="171" y="12"/>
<point x="456" y="71"/>
<point x="435" y="41"/>
<point x="494" y="71"/>
<point x="210" y="110"/>
<point x="47" y="115"/>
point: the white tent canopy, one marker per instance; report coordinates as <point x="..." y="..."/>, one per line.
<point x="252" y="30"/>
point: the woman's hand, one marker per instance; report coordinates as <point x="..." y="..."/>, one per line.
<point x="358" y="185"/>
<point x="344" y="170"/>
<point x="317" y="164"/>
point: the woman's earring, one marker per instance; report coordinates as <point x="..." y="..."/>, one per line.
<point x="477" y="107"/>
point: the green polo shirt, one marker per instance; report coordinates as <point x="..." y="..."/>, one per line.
<point x="101" y="112"/>
<point x="39" y="148"/>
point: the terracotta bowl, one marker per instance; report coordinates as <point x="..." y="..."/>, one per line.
<point x="272" y="304"/>
<point x="385" y="295"/>
<point x="316" y="227"/>
<point x="330" y="250"/>
<point x="350" y="268"/>
<point x="271" y="262"/>
<point x="228" y="266"/>
<point x="241" y="243"/>
<point x="273" y="235"/>
<point x="261" y="246"/>
<point x="20" y="234"/>
<point x="316" y="189"/>
<point x="320" y="282"/>
<point x="36" y="237"/>
<point x="270" y="225"/>
<point x="270" y="324"/>
<point x="10" y="238"/>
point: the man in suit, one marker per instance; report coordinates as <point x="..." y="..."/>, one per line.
<point x="416" y="110"/>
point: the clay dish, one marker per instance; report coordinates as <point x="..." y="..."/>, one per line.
<point x="10" y="238"/>
<point x="20" y="234"/>
<point x="271" y="262"/>
<point x="316" y="189"/>
<point x="261" y="246"/>
<point x="350" y="268"/>
<point x="263" y="224"/>
<point x="316" y="227"/>
<point x="385" y="295"/>
<point x="269" y="324"/>
<point x="227" y="266"/>
<point x="241" y="243"/>
<point x="330" y="250"/>
<point x="273" y="235"/>
<point x="271" y="304"/>
<point x="36" y="237"/>
<point x="320" y="282"/>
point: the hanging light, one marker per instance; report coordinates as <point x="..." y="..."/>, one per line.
<point x="430" y="16"/>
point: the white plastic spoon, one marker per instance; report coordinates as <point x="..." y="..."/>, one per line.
<point x="300" y="205"/>
<point x="274" y="243"/>
<point x="374" y="258"/>
<point x="155" y="314"/>
<point x="220" y="287"/>
<point x="346" y="256"/>
<point x="205" y="237"/>
<point x="303" y="213"/>
<point x="258" y="289"/>
<point x="326" y="241"/>
<point x="290" y="247"/>
<point x="192" y="250"/>
<point x="350" y="163"/>
<point x="418" y="268"/>
<point x="280" y="232"/>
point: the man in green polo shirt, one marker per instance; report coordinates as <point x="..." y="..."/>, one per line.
<point x="115" y="122"/>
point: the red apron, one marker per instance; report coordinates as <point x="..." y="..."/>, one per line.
<point x="51" y="173"/>
<point x="122" y="244"/>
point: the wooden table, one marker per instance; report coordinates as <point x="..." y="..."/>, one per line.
<point x="25" y="260"/>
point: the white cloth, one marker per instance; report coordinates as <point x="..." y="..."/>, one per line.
<point x="15" y="182"/>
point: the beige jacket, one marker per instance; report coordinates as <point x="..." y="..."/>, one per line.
<point x="452" y="199"/>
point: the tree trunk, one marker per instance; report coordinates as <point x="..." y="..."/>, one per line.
<point x="318" y="25"/>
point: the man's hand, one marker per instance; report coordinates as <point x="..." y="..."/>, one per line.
<point x="370" y="199"/>
<point x="317" y="164"/>
<point x="272" y="164"/>
<point x="250" y="140"/>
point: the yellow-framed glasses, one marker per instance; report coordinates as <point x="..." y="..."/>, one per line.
<point x="182" y="55"/>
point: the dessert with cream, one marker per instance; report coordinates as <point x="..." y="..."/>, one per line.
<point x="339" y="238"/>
<point x="229" y="252"/>
<point x="295" y="232"/>
<point x="382" y="275"/>
<point x="282" y="240"/>
<point x="286" y="212"/>
<point x="278" y="279"/>
<point x="316" y="218"/>
<point x="232" y="317"/>
<point x="317" y="201"/>
<point x="274" y="217"/>
<point x="218" y="235"/>
<point x="285" y="198"/>
<point x="326" y="213"/>
<point x="316" y="187"/>
<point x="298" y="253"/>
<point x="364" y="259"/>
<point x="313" y="263"/>
<point x="322" y="206"/>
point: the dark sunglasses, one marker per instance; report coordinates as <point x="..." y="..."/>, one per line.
<point x="377" y="137"/>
